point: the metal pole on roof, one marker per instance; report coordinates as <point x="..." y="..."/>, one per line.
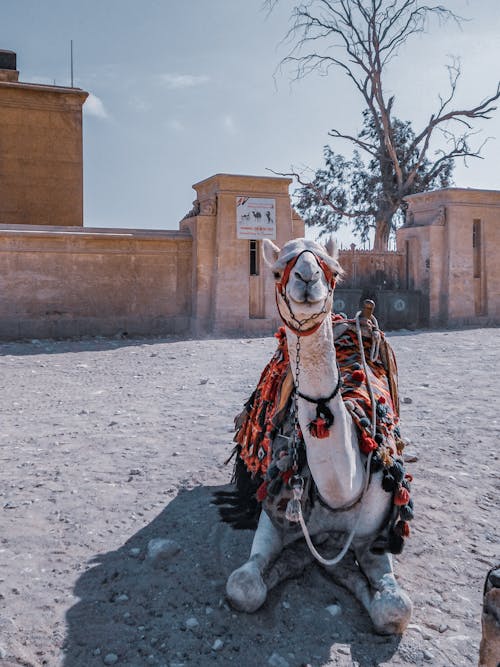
<point x="71" y="61"/>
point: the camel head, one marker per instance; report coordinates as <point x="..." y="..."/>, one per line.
<point x="305" y="273"/>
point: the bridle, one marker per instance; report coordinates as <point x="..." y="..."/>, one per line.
<point x="300" y="327"/>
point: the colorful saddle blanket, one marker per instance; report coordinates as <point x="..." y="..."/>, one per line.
<point x="264" y="428"/>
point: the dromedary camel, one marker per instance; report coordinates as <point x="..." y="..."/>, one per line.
<point x="320" y="462"/>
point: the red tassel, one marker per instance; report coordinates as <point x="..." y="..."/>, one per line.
<point x="367" y="444"/>
<point x="319" y="428"/>
<point x="261" y="492"/>
<point x="286" y="476"/>
<point x="402" y="496"/>
<point x="409" y="477"/>
<point x="402" y="528"/>
<point x="381" y="399"/>
<point x="358" y="376"/>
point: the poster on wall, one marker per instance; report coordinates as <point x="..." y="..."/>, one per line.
<point x="255" y="218"/>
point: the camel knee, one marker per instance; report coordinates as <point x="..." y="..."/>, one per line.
<point x="246" y="589"/>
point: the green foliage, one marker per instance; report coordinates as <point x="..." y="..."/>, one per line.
<point x="361" y="192"/>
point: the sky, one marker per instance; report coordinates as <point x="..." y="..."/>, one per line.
<point x="184" y="89"/>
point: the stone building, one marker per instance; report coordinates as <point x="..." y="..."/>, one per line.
<point x="451" y="240"/>
<point x="40" y="150"/>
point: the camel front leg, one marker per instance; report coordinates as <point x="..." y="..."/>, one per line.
<point x="389" y="606"/>
<point x="245" y="587"/>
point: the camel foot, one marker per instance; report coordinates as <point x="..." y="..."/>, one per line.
<point x="390" y="609"/>
<point x="246" y="589"/>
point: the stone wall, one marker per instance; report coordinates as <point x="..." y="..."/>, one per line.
<point x="375" y="270"/>
<point x="58" y="282"/>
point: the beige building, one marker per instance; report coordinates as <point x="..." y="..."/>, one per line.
<point x="40" y="150"/>
<point x="452" y="242"/>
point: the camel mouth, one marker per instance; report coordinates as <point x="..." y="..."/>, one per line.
<point x="307" y="300"/>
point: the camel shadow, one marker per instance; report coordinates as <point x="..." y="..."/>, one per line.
<point x="172" y="611"/>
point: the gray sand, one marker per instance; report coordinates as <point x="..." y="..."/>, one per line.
<point x="106" y="445"/>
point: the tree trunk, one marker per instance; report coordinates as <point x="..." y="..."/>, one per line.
<point x="382" y="230"/>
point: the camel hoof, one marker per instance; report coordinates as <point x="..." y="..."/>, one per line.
<point x="391" y="611"/>
<point x="246" y="589"/>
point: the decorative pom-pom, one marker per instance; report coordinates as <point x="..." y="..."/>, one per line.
<point x="396" y="543"/>
<point x="274" y="487"/>
<point x="318" y="428"/>
<point x="397" y="471"/>
<point x="358" y="376"/>
<point x="402" y="528"/>
<point x="376" y="463"/>
<point x="379" y="438"/>
<point x="261" y="492"/>
<point x="402" y="496"/>
<point x="356" y="366"/>
<point x="272" y="472"/>
<point x="388" y="483"/>
<point x="381" y="399"/>
<point x="406" y="513"/>
<point x="364" y="421"/>
<point x="367" y="444"/>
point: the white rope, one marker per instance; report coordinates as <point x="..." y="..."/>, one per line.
<point x="294" y="508"/>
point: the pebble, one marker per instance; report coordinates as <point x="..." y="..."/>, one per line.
<point x="134" y="552"/>
<point x="277" y="660"/>
<point x="344" y="650"/>
<point x="161" y="550"/>
<point x="3" y="653"/>
<point x="334" y="609"/>
<point x="427" y="655"/>
<point x="407" y="400"/>
<point x="192" y="623"/>
<point x="217" y="645"/>
<point x="110" y="659"/>
<point x="123" y="597"/>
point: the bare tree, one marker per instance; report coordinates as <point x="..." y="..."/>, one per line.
<point x="360" y="37"/>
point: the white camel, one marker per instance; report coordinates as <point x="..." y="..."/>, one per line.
<point x="352" y="501"/>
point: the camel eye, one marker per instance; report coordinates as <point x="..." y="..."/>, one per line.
<point x="277" y="275"/>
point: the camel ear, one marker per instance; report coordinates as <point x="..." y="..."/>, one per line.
<point x="331" y="248"/>
<point x="270" y="252"/>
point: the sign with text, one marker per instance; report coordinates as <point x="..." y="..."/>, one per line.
<point x="255" y="218"/>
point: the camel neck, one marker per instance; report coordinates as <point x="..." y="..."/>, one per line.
<point x="334" y="461"/>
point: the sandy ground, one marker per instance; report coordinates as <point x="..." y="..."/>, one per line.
<point x="108" y="444"/>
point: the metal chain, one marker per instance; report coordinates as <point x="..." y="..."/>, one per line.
<point x="295" y="433"/>
<point x="324" y="310"/>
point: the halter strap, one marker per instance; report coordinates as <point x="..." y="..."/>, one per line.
<point x="281" y="292"/>
<point x="281" y="284"/>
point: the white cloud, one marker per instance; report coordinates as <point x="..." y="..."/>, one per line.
<point x="178" y="81"/>
<point x="94" y="107"/>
